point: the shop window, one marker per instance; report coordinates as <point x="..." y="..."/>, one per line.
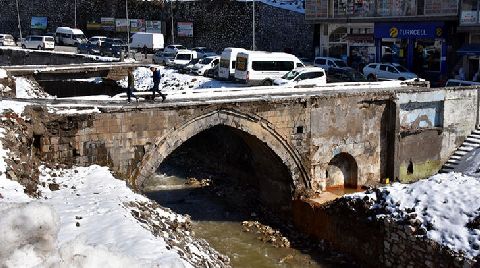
<point x="338" y="35"/>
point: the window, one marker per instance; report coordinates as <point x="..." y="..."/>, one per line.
<point x="392" y="69"/>
<point x="36" y="38"/>
<point x="224" y="63"/>
<point x="383" y="67"/>
<point x="242" y="64"/>
<point x="48" y="38"/>
<point x="184" y="56"/>
<point x="272" y="65"/>
<point x="330" y="63"/>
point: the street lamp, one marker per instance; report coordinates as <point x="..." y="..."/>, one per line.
<point x="128" y="27"/>
<point x="19" y="24"/>
<point x="253" y="25"/>
<point x="75" y="17"/>
<point x="172" y="30"/>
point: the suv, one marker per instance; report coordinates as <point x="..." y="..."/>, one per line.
<point x="6" y="40"/>
<point x="387" y="71"/>
<point x="174" y="48"/>
<point x="346" y="74"/>
<point x="113" y="47"/>
<point x="328" y="62"/>
<point x="39" y="42"/>
<point x="303" y="77"/>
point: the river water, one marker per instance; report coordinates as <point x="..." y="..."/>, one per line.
<point x="221" y="226"/>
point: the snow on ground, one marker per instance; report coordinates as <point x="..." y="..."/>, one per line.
<point x="25" y="88"/>
<point x="3" y="74"/>
<point x="444" y="203"/>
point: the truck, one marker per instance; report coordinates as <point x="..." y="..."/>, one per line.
<point x="151" y="41"/>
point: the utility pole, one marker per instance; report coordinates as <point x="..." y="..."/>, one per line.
<point x="19" y="24"/>
<point x="128" y="28"/>
<point x="75" y="18"/>
<point x="253" y="25"/>
<point x="172" y="29"/>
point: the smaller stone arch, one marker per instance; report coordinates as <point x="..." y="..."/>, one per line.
<point x="342" y="171"/>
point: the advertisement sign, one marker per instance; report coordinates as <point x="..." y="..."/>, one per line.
<point x="409" y="30"/>
<point x="121" y="25"/>
<point x="469" y="17"/>
<point x="153" y="26"/>
<point x="39" y="23"/>
<point x="137" y="25"/>
<point x="94" y="25"/>
<point x="108" y="24"/>
<point x="185" y="29"/>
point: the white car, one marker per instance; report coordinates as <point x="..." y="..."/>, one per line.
<point x="387" y="71"/>
<point x="97" y="40"/>
<point x="7" y="40"/>
<point x="173" y="48"/>
<point x="303" y="77"/>
<point x="204" y="52"/>
<point x="183" y="58"/>
<point x="39" y="42"/>
<point x="164" y="58"/>
<point x="328" y="62"/>
<point x="205" y="65"/>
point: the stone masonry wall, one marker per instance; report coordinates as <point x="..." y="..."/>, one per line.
<point x="373" y="243"/>
<point x="217" y="24"/>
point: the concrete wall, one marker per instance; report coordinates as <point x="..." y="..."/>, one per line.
<point x="32" y="57"/>
<point x="217" y="24"/>
<point x="431" y="126"/>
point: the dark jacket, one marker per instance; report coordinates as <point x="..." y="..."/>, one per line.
<point x="156" y="76"/>
<point x="131" y="80"/>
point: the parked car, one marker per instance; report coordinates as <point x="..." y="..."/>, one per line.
<point x="174" y="48"/>
<point x="303" y="77"/>
<point x="7" y="40"/>
<point x="203" y="52"/>
<point x="205" y="64"/>
<point x="164" y="58"/>
<point x="458" y="83"/>
<point x="387" y="71"/>
<point x="97" y="40"/>
<point x="183" y="57"/>
<point x="88" y="48"/>
<point x="188" y="67"/>
<point x="113" y="47"/>
<point x="346" y="74"/>
<point x="329" y="62"/>
<point x="39" y="42"/>
<point x="69" y="36"/>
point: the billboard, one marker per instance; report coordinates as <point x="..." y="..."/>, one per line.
<point x="94" y="24"/>
<point x="39" y="23"/>
<point x="185" y="29"/>
<point x="121" y="25"/>
<point x="108" y="24"/>
<point x="153" y="26"/>
<point x="137" y="25"/>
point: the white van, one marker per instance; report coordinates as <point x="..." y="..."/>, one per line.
<point x="228" y="62"/>
<point x="38" y="42"/>
<point x="261" y="68"/>
<point x="184" y="57"/>
<point x="69" y="36"/>
<point x="153" y="41"/>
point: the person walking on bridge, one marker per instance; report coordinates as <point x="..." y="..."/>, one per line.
<point x="156" y="83"/>
<point x="131" y="85"/>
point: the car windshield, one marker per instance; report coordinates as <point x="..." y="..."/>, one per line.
<point x="290" y="75"/>
<point x="79" y="36"/>
<point x="402" y="69"/>
<point x="180" y="47"/>
<point x="206" y="61"/>
<point x="340" y="63"/>
<point x="8" y="37"/>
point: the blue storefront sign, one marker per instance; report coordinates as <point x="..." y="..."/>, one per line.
<point x="405" y="30"/>
<point x="39" y="23"/>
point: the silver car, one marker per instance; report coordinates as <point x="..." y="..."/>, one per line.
<point x="7" y="40"/>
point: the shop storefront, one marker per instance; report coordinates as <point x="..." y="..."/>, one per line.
<point x="419" y="46"/>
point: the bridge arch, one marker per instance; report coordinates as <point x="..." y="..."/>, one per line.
<point x="250" y="124"/>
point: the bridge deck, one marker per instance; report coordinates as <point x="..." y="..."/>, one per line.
<point x="21" y="70"/>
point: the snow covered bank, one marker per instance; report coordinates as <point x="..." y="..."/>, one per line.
<point x="445" y="205"/>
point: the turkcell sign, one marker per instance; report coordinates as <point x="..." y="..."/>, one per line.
<point x="407" y="30"/>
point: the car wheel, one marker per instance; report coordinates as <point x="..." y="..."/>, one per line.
<point x="24" y="47"/>
<point x="371" y="77"/>
<point x="267" y="82"/>
<point x="1" y="44"/>
<point x="401" y="78"/>
<point x="39" y="47"/>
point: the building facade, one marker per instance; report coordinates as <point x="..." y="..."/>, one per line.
<point x="415" y="33"/>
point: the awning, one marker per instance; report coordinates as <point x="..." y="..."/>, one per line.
<point x="469" y="50"/>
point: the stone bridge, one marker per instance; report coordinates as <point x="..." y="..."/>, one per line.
<point x="314" y="141"/>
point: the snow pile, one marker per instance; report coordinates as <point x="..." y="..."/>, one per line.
<point x="26" y="88"/>
<point x="445" y="204"/>
<point x="3" y="74"/>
